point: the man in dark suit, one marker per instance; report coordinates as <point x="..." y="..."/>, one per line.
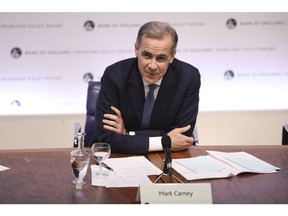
<point x="124" y="84"/>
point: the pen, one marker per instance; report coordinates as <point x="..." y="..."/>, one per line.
<point x="105" y="166"/>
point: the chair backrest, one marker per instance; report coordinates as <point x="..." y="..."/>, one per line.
<point x="90" y="124"/>
<point x="196" y="136"/>
<point x="285" y="134"/>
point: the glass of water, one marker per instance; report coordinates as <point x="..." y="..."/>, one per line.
<point x="79" y="162"/>
<point x="101" y="152"/>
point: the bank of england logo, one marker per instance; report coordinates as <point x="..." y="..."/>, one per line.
<point x="15" y="103"/>
<point x="229" y="75"/>
<point x="87" y="77"/>
<point x="89" y="25"/>
<point x="16" y="52"/>
<point x="231" y="23"/>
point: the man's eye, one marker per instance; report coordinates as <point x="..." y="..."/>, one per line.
<point x="161" y="59"/>
<point x="146" y="55"/>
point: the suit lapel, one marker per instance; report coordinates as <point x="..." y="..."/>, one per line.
<point x="136" y="92"/>
<point x="137" y="95"/>
<point x="165" y="94"/>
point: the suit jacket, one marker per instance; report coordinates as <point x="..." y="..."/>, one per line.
<point x="176" y="104"/>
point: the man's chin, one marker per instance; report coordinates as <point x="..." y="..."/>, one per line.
<point x="151" y="78"/>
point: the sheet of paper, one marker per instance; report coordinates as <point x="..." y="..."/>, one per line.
<point x="2" y="168"/>
<point x="115" y="180"/>
<point x="244" y="160"/>
<point x="184" y="168"/>
<point x="128" y="172"/>
<point x="221" y="165"/>
<point x="201" y="164"/>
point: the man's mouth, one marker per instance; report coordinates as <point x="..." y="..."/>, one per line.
<point x="151" y="73"/>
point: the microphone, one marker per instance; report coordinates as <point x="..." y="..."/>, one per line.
<point x="166" y="144"/>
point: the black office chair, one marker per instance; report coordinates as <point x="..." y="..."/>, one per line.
<point x="90" y="124"/>
<point x="196" y="136"/>
<point x="285" y="134"/>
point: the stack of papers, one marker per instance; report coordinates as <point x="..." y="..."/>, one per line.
<point x="221" y="165"/>
<point x="128" y="172"/>
<point x="2" y="168"/>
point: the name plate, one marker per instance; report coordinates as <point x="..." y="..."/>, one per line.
<point x="190" y="193"/>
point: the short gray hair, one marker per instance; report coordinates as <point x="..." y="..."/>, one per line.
<point x="158" y="30"/>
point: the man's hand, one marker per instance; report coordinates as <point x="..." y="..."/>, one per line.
<point x="179" y="141"/>
<point x="115" y="122"/>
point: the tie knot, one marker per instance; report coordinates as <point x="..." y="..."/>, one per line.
<point x="152" y="87"/>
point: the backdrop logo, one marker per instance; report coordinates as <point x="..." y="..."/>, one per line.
<point x="16" y="103"/>
<point x="16" y="52"/>
<point x="87" y="77"/>
<point x="231" y="23"/>
<point x="229" y="75"/>
<point x="89" y="25"/>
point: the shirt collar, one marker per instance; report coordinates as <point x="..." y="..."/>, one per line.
<point x="157" y="83"/>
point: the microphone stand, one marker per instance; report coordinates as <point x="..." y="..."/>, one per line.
<point x="165" y="172"/>
<point x="167" y="167"/>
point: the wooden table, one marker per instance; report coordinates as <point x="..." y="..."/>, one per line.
<point x="246" y="188"/>
<point x="44" y="176"/>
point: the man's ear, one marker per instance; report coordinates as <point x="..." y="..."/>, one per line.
<point x="171" y="60"/>
<point x="136" y="49"/>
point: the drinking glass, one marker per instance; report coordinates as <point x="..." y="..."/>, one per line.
<point x="79" y="162"/>
<point x="101" y="152"/>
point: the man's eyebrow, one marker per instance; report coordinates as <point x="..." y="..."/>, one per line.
<point x="162" y="55"/>
<point x="145" y="51"/>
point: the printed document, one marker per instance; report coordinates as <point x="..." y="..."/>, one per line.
<point x="221" y="165"/>
<point x="128" y="172"/>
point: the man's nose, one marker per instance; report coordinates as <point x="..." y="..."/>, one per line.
<point x="153" y="64"/>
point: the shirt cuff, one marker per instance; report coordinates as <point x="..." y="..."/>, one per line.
<point x="155" y="144"/>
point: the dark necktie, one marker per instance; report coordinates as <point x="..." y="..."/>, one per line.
<point x="148" y="106"/>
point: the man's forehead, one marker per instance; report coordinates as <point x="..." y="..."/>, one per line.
<point x="159" y="49"/>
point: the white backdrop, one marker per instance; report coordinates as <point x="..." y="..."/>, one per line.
<point x="242" y="57"/>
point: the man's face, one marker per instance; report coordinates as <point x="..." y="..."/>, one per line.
<point x="154" y="57"/>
